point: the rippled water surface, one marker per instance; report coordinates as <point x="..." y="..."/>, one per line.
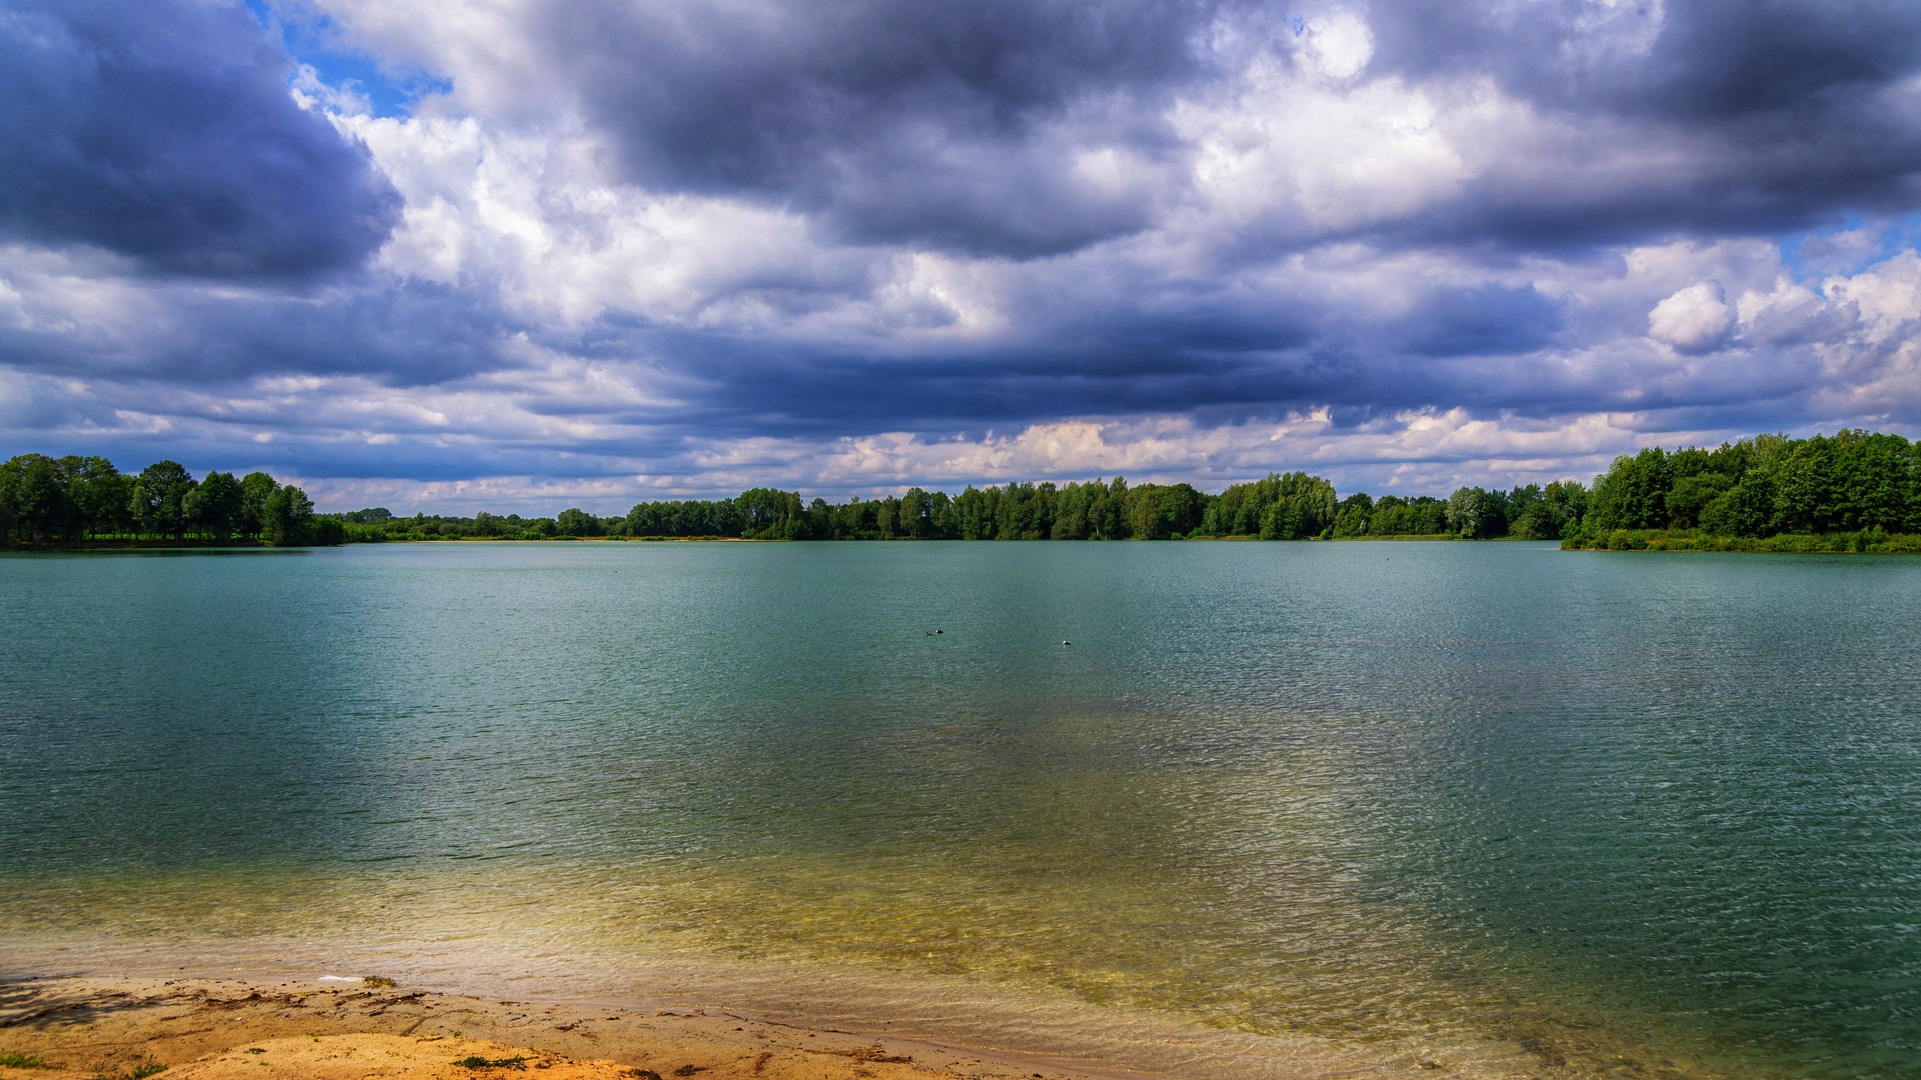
<point x="1528" y="812"/>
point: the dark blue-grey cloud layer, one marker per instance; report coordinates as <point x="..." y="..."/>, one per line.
<point x="955" y="126"/>
<point x="405" y="336"/>
<point x="163" y="130"/>
<point x="901" y="120"/>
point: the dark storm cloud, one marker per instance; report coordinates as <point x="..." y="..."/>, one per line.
<point x="820" y="395"/>
<point x="1688" y="59"/>
<point x="901" y="120"/>
<point x="1491" y="350"/>
<point x="959" y="126"/>
<point x="163" y="130"/>
<point x="404" y="336"/>
<point x="1693" y="116"/>
<point x="1486" y="321"/>
<point x="733" y="392"/>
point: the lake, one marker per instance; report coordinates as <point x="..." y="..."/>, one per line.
<point x="1213" y="809"/>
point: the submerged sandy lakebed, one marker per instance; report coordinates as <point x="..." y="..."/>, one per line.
<point x="218" y="1029"/>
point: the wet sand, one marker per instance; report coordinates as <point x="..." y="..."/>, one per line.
<point x="227" y="1029"/>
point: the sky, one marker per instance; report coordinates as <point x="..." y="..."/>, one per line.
<point x="520" y="255"/>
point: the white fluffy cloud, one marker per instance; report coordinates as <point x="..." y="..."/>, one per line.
<point x="1693" y="318"/>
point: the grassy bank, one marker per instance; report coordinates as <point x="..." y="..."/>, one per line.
<point x="1869" y="541"/>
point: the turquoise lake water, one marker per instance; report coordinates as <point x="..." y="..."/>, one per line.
<point x="1532" y="812"/>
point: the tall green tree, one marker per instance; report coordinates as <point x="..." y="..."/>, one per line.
<point x="1804" y="492"/>
<point x="1556" y="510"/>
<point x="214" y="508"/>
<point x="287" y="517"/>
<point x="1464" y="510"/>
<point x="159" y="499"/>
<point x="770" y="514"/>
<point x="1354" y="515"/>
<point x="1303" y="506"/>
<point x="576" y="522"/>
<point x="1422" y="515"/>
<point x="255" y="489"/>
<point x="1691" y="495"/>
<point x="1160" y="511"/>
<point x="1633" y="492"/>
<point x="1875" y="481"/>
<point x="9" y="502"/>
<point x="102" y="494"/>
<point x="40" y="507"/>
<point x="1747" y="509"/>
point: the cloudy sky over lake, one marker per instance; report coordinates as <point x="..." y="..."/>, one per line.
<point x="524" y="254"/>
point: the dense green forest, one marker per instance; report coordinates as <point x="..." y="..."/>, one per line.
<point x="1853" y="491"/>
<point x="1856" y="490"/>
<point x="1284" y="506"/>
<point x="73" y="500"/>
<point x="1289" y="506"/>
<point x="77" y="500"/>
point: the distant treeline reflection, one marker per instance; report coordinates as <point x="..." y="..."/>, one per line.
<point x="1854" y="491"/>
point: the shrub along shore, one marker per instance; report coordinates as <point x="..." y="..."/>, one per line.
<point x="1874" y="541"/>
<point x="1855" y="491"/>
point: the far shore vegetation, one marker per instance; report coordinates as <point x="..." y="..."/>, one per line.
<point x="1854" y="491"/>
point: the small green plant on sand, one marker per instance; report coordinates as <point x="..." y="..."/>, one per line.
<point x="23" y="1061"/>
<point x="256" y="1049"/>
<point x="478" y="1062"/>
<point x="377" y="981"/>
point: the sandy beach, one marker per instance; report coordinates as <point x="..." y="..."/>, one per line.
<point x="218" y="1029"/>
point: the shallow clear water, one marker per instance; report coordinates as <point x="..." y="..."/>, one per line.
<point x="1539" y="813"/>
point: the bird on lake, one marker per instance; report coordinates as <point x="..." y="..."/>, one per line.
<point x="1067" y="643"/>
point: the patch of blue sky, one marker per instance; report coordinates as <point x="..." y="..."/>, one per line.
<point x="1848" y="248"/>
<point x="313" y="40"/>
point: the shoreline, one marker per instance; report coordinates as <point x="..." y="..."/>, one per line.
<point x="1619" y="541"/>
<point x="91" y="1026"/>
<point x="171" y="545"/>
<point x="105" y="1008"/>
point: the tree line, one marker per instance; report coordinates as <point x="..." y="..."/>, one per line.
<point x="1854" y="484"/>
<point x="1765" y="488"/>
<point x="69" y="500"/>
<point x="73" y="500"/>
<point x="1281" y="506"/>
<point x="1856" y="488"/>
